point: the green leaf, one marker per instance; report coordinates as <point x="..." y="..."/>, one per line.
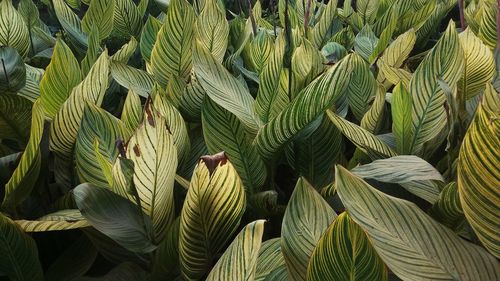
<point x="12" y="71"/>
<point x="115" y="216"/>
<point x="445" y="62"/>
<point x="307" y="216"/>
<point x="13" y="29"/>
<point x="224" y="132"/>
<point x="345" y="253"/>
<point x="97" y="125"/>
<point x="93" y="50"/>
<point x="132" y="111"/>
<point x="127" y="20"/>
<point x="154" y="154"/>
<point x="224" y="89"/>
<point x="402" y="128"/>
<point x="60" y="77"/>
<point x="71" y="23"/>
<point x="240" y="259"/>
<point x="26" y="174"/>
<point x="172" y="52"/>
<point x="212" y="211"/>
<point x="411" y="244"/>
<point x="132" y="78"/>
<point x="362" y="87"/>
<point x="148" y="37"/>
<point x="312" y="101"/>
<point x="212" y="29"/>
<point x="166" y="260"/>
<point x="324" y="29"/>
<point x="19" y="259"/>
<point x="479" y="65"/>
<point x="374" y="147"/>
<point x="448" y="209"/>
<point x="270" y="259"/>
<point x="479" y="176"/>
<point x="261" y="49"/>
<point x="15" y="118"/>
<point x="365" y="42"/>
<point x="123" y="271"/>
<point x="99" y="15"/>
<point x="126" y="51"/>
<point x="60" y="220"/>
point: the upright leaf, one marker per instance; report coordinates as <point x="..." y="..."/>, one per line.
<point x="127" y="20"/>
<point x="100" y="16"/>
<point x="13" y="29"/>
<point x="212" y="29"/>
<point x="402" y="128"/>
<point x="148" y="37"/>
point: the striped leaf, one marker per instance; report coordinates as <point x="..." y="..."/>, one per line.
<point x="487" y="28"/>
<point x="324" y="29"/>
<point x="166" y="260"/>
<point x="261" y="49"/>
<point x="26" y="174"/>
<point x="148" y="37"/>
<point x="479" y="176"/>
<point x="15" y="118"/>
<point x="13" y="29"/>
<point x="132" y="78"/>
<point x="345" y="253"/>
<point x="239" y="261"/>
<point x="212" y="211"/>
<point x="402" y="128"/>
<point x="19" y="259"/>
<point x="374" y="147"/>
<point x="479" y="65"/>
<point x="212" y="29"/>
<point x="13" y="71"/>
<point x="97" y="125"/>
<point x="99" y="15"/>
<point x="175" y="124"/>
<point x="224" y="89"/>
<point x="126" y="51"/>
<point x="306" y="217"/>
<point x="270" y="259"/>
<point x="127" y="20"/>
<point x="132" y="111"/>
<point x="115" y="216"/>
<point x="448" y="209"/>
<point x="362" y="87"/>
<point x="71" y="23"/>
<point x="93" y="50"/>
<point x="365" y="42"/>
<point x="60" y="220"/>
<point x="312" y="101"/>
<point x="224" y="132"/>
<point x="65" y="124"/>
<point x="374" y="117"/>
<point x="172" y="52"/>
<point x="60" y="77"/>
<point x="445" y="62"/>
<point x="411" y="244"/>
<point x="154" y="154"/>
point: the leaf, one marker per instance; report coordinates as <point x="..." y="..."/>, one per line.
<point x="99" y="15"/>
<point x="212" y="29"/>
<point x="306" y="217"/>
<point x="448" y="209"/>
<point x="479" y="65"/>
<point x="374" y="147"/>
<point x="60" y="77"/>
<point x="171" y="55"/>
<point x="93" y="50"/>
<point x="123" y="271"/>
<point x="240" y="259"/>
<point x="127" y="20"/>
<point x="132" y="111"/>
<point x="224" y="132"/>
<point x="261" y="49"/>
<point x="397" y="52"/>
<point x="71" y="23"/>
<point x="345" y="253"/>
<point x="270" y="259"/>
<point x="324" y="29"/>
<point x="479" y="176"/>
<point x="402" y="128"/>
<point x="65" y="124"/>
<point x="13" y="29"/>
<point x="155" y="161"/>
<point x="445" y="61"/>
<point x="166" y="260"/>
<point x="131" y="78"/>
<point x="60" y="220"/>
<point x="365" y="42"/>
<point x="126" y="51"/>
<point x="115" y="216"/>
<point x="97" y="125"/>
<point x="362" y="87"/>
<point x="395" y="226"/>
<point x="148" y="37"/>
<point x="15" y="118"/>
<point x="313" y="100"/>
<point x="212" y="211"/>
<point x="19" y="187"/>
<point x="12" y="71"/>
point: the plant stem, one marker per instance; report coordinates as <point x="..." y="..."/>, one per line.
<point x="5" y="73"/>
<point x="306" y="17"/>
<point x="252" y="19"/>
<point x="463" y="24"/>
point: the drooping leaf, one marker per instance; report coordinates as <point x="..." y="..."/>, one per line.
<point x="19" y="259"/>
<point x="479" y="176"/>
<point x="13" y="29"/>
<point x="154" y="154"/>
<point x="306" y="217"/>
<point x="12" y="70"/>
<point x="132" y="78"/>
<point x="240" y="258"/>
<point x="345" y="253"/>
<point x="211" y="213"/>
<point x="115" y="216"/>
<point x="172" y="52"/>
<point x="395" y="226"/>
<point x="60" y="220"/>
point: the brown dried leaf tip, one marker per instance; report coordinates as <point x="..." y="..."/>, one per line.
<point x="211" y="161"/>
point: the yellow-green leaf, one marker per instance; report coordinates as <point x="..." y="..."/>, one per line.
<point x="13" y="29"/>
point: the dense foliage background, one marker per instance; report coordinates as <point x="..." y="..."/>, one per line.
<point x="242" y="140"/>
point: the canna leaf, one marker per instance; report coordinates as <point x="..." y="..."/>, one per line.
<point x="13" y="29"/>
<point x="212" y="29"/>
<point x="100" y="16"/>
<point x="270" y="259"/>
<point x="12" y="71"/>
<point x="60" y="220"/>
